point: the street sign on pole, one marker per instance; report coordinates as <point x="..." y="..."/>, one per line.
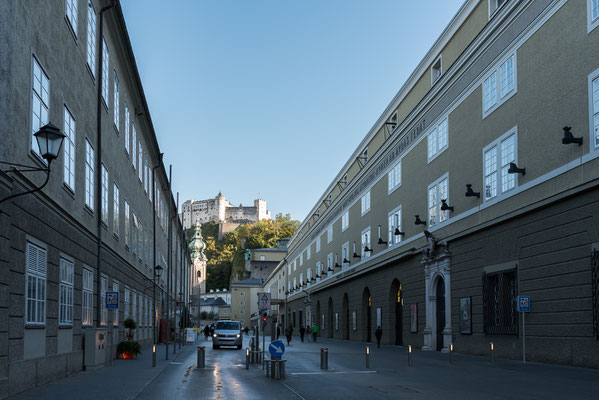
<point x="523" y="307"/>
<point x="264" y="301"/>
<point x="276" y="348"/>
<point x="112" y="300"/>
<point x="523" y="303"/>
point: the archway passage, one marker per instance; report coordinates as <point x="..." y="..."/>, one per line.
<point x="396" y="304"/>
<point x="330" y="318"/>
<point x="367" y="312"/>
<point x="345" y="317"/>
<point x="440" y="312"/>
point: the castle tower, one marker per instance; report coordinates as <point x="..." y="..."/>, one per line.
<point x="221" y="205"/>
<point x="261" y="210"/>
<point x="198" y="261"/>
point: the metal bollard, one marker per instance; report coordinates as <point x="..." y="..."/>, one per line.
<point x="451" y="354"/>
<point x="324" y="358"/>
<point x="201" y="357"/>
<point x="153" y="355"/>
<point x="410" y="355"/>
<point x="492" y="350"/>
<point x="367" y="357"/>
<point x="281" y="369"/>
<point x="247" y="358"/>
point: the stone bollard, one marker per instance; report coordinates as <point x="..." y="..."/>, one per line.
<point x="247" y="358"/>
<point x="367" y="357"/>
<point x="201" y="357"/>
<point x="324" y="358"/>
<point x="409" y="355"/>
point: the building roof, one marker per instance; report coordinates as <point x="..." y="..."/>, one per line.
<point x="213" y="302"/>
<point x="251" y="282"/>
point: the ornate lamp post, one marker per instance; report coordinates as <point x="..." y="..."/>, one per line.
<point x="157" y="272"/>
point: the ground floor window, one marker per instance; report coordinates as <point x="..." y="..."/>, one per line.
<point x="500" y="290"/>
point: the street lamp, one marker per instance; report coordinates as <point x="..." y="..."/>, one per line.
<point x="49" y="140"/>
<point x="157" y="272"/>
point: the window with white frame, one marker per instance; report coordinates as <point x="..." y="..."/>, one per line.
<point x="141" y="315"/>
<point x="394" y="225"/>
<point x="330" y="234"/>
<point x="394" y="177"/>
<point x="134" y="230"/>
<point x="105" y="73"/>
<point x="133" y="144"/>
<point x="89" y="175"/>
<point x="317" y="244"/>
<point x="308" y="253"/>
<point x="594" y="107"/>
<point x="115" y="311"/>
<point x="127" y="225"/>
<point x="104" y="313"/>
<point x="345" y="221"/>
<point x="301" y="259"/>
<point x="437" y="191"/>
<point x="330" y="266"/>
<point x="116" y="212"/>
<point x="149" y="308"/>
<point x="71" y="13"/>
<point x="499" y="85"/>
<point x="437" y="139"/>
<point x="294" y="283"/>
<point x="140" y="158"/>
<point x="319" y="268"/>
<point x="288" y="269"/>
<point x="126" y="303"/>
<point x="35" y="279"/>
<point x="288" y="287"/>
<point x="301" y="279"/>
<point x="345" y="257"/>
<point x="366" y="243"/>
<point x="592" y="14"/>
<point x="436" y="70"/>
<point x="134" y="306"/>
<point x="365" y="202"/>
<point x="91" y="38"/>
<point x="104" y="195"/>
<point x="87" y="298"/>
<point x="69" y="150"/>
<point x="127" y="138"/>
<point x="497" y="158"/>
<point x="117" y="111"/>
<point x="65" y="307"/>
<point x="40" y="102"/>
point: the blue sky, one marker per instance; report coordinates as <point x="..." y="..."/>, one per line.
<point x="269" y="98"/>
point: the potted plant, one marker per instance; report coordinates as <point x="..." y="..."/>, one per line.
<point x="128" y="349"/>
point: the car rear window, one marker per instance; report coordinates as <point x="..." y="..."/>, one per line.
<point x="229" y="326"/>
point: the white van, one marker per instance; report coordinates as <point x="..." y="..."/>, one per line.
<point x="227" y="333"/>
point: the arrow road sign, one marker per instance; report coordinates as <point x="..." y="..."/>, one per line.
<point x="276" y="348"/>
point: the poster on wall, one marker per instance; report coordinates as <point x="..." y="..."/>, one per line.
<point x="354" y="315"/>
<point x="379" y="317"/>
<point x="322" y="326"/>
<point x="413" y="318"/>
<point x="336" y="321"/>
<point x="466" y="315"/>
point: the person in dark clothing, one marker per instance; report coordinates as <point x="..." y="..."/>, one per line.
<point x="206" y="332"/>
<point x="289" y="334"/>
<point x="278" y="332"/>
<point x="302" y="333"/>
<point x="378" y="333"/>
<point x="246" y="330"/>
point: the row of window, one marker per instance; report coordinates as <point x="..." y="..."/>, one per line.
<point x="135" y="305"/>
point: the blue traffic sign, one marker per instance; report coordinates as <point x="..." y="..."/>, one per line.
<point x="523" y="303"/>
<point x="276" y="348"/>
<point x="112" y="300"/>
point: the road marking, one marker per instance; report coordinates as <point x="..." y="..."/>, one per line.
<point x="333" y="372"/>
<point x="176" y="363"/>
<point x="296" y="393"/>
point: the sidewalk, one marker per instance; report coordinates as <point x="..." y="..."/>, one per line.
<point x="124" y="380"/>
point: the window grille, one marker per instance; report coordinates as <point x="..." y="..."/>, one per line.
<point x="499" y="303"/>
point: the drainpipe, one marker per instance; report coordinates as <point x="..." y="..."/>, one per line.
<point x="170" y="257"/>
<point x="99" y="168"/>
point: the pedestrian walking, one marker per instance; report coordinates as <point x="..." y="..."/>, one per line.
<point x="246" y="330"/>
<point x="314" y="332"/>
<point x="289" y="334"/>
<point x="302" y="333"/>
<point x="206" y="332"/>
<point x="378" y="333"/>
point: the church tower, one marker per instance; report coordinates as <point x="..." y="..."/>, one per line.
<point x="198" y="261"/>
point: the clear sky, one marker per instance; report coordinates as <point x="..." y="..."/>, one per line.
<point x="270" y="98"/>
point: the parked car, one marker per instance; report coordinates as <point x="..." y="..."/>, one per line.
<point x="227" y="333"/>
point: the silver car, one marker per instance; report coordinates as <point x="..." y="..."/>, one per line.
<point x="227" y="333"/>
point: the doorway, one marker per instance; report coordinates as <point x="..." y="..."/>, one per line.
<point x="367" y="312"/>
<point x="440" y="295"/>
<point x="396" y="304"/>
<point x="345" y="317"/>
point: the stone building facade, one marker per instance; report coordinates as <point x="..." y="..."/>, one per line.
<point x="478" y="183"/>
<point x="89" y="231"/>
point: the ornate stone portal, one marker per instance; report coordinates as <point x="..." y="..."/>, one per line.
<point x="435" y="259"/>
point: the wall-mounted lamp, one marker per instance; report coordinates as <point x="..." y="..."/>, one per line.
<point x="381" y="241"/>
<point x="336" y="263"/>
<point x="419" y="221"/>
<point x="397" y="232"/>
<point x="312" y="279"/>
<point x="513" y="169"/>
<point x="346" y="261"/>
<point x="318" y="276"/>
<point x="355" y="254"/>
<point x="367" y="249"/>
<point x="445" y="207"/>
<point x="470" y="192"/>
<point x="569" y="138"/>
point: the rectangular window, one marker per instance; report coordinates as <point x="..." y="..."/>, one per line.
<point x="133" y="142"/>
<point x="497" y="158"/>
<point x="105" y="66"/>
<point x="115" y="312"/>
<point x="308" y="253"/>
<point x="69" y="150"/>
<point x="134" y="307"/>
<point x="436" y="70"/>
<point x="126" y="303"/>
<point x="500" y="315"/>
<point x="394" y="224"/>
<point x="301" y="279"/>
<point x="134" y="230"/>
<point x="116" y="102"/>
<point x="319" y="268"/>
<point x="91" y="38"/>
<point x="127" y="138"/>
<point x="127" y="226"/>
<point x="317" y="244"/>
<point x="40" y="102"/>
<point x="89" y="175"/>
<point x="345" y="221"/>
<point x="301" y="259"/>
<point x="116" y="210"/>
<point x="294" y="283"/>
<point x="65" y="308"/>
<point x="592" y="14"/>
<point x="104" y="195"/>
<point x="365" y="201"/>
<point x="87" y="299"/>
<point x="71" y="13"/>
<point x="437" y="140"/>
<point x="140" y="160"/>
<point x="366" y="248"/>
<point x="35" y="279"/>
<point x="594" y="10"/>
<point x="394" y="177"/>
<point x="495" y="94"/>
<point x="103" y="300"/>
<point x="345" y="257"/>
<point x="438" y="191"/>
<point x="330" y="234"/>
<point x="594" y="109"/>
